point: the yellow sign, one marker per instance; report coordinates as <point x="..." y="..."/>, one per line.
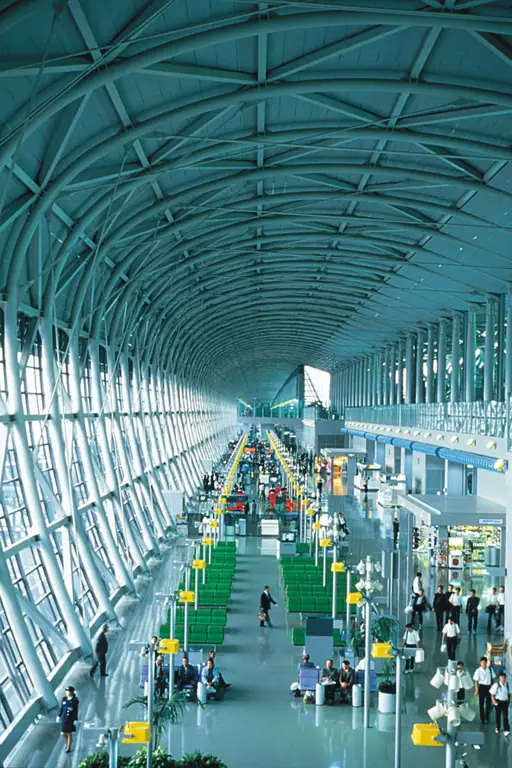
<point x="316" y="526"/>
<point x="186" y="596"/>
<point x="325" y="542"/>
<point x="137" y="733"/>
<point x="382" y="651"/>
<point x="218" y="511"/>
<point x="354" y="598"/>
<point x="199" y="564"/>
<point x="222" y="500"/>
<point x="214" y="524"/>
<point x="338" y="567"/>
<point x="169" y="646"/>
<point x="207" y="542"/>
<point x="424" y="735"/>
<point x="311" y="512"/>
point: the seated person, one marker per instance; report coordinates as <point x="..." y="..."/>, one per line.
<point x="160" y="676"/>
<point x="222" y="682"/>
<point x="330" y="680"/>
<point x="346" y="679"/>
<point x="304" y="664"/>
<point x="187" y="675"/>
<point x="210" y="677"/>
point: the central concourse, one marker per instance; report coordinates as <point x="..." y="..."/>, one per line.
<point x="259" y="722"/>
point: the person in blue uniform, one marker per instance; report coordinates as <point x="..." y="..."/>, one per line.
<point x="68" y="715"/>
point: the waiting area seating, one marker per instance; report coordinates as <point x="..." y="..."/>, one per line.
<point x="299" y="637"/>
<point x="304" y="589"/>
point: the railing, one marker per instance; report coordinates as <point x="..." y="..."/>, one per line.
<point x="265" y="410"/>
<point x="476" y="418"/>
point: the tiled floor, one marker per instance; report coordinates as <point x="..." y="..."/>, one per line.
<point x="259" y="723"/>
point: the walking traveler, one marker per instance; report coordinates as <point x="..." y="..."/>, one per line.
<point x="461" y="693"/>
<point x="500" y="610"/>
<point x="500" y="694"/>
<point x="411" y="640"/>
<point x="266" y="601"/>
<point x="439" y="607"/>
<point x="68" y="715"/>
<point x="483" y="678"/>
<point x="491" y="607"/>
<point x="419" y="607"/>
<point x="451" y="636"/>
<point x="456" y="603"/>
<point x="472" y="604"/>
<point x="448" y="605"/>
<point x="101" y="653"/>
<point x="417" y="584"/>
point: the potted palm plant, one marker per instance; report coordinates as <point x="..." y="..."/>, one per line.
<point x="387" y="690"/>
<point x="166" y="711"/>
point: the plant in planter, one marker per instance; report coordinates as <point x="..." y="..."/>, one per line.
<point x="100" y="760"/>
<point x="197" y="760"/>
<point x="160" y="759"/>
<point x="384" y="629"/>
<point x="387" y="689"/>
<point x="166" y="711"/>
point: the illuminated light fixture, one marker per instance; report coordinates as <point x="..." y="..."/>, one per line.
<point x="388" y="429"/>
<point x="454" y="439"/>
<point x="471" y="442"/>
<point x="500" y="465"/>
<point x="397" y="431"/>
<point x="428" y="434"/>
<point x="491" y="445"/>
<point x="440" y="437"/>
<point x="407" y="431"/>
<point x="417" y="433"/>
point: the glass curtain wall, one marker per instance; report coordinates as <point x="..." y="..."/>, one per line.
<point x="83" y="508"/>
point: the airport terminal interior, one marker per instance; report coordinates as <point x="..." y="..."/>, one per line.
<point x="255" y="383"/>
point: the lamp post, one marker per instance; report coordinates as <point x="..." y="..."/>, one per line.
<point x="367" y="568"/>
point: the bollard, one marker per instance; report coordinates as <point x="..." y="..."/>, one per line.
<point x="201" y="693"/>
<point x="319" y="695"/>
<point x="357" y="695"/>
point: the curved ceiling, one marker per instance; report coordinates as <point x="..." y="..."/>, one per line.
<point x="241" y="187"/>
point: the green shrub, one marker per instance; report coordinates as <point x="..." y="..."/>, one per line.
<point x="100" y="760"/>
<point x="197" y="760"/>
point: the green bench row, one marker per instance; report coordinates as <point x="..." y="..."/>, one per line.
<point x="197" y="633"/>
<point x="299" y="636"/>
<point x="314" y="590"/>
<point x="315" y="605"/>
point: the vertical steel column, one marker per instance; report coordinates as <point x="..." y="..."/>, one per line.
<point x="441" y="361"/>
<point x="409" y="369"/>
<point x="385" y="377"/>
<point x="420" y="389"/>
<point x="359" y="379"/>
<point x="379" y="378"/>
<point x="398" y="714"/>
<point x="392" y="374"/>
<point x="400" y="376"/>
<point x="508" y="345"/>
<point x="347" y="609"/>
<point x="469" y="356"/>
<point x="489" y="351"/>
<point x="454" y="378"/>
<point x="430" y="365"/>
<point x="366" y="382"/>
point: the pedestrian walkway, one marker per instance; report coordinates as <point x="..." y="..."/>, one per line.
<point x="259" y="718"/>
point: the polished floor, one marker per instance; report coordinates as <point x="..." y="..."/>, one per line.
<point x="258" y="723"/>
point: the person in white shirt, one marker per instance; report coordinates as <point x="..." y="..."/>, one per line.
<point x="411" y="640"/>
<point x="461" y="693"/>
<point x="451" y="636"/>
<point x="500" y="613"/>
<point x="500" y="694"/>
<point x="492" y="602"/>
<point x="417" y="584"/>
<point x="456" y="601"/>
<point x="483" y="678"/>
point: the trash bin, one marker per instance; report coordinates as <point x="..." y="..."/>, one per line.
<point x="242" y="527"/>
<point x="492" y="557"/>
<point x="237" y="528"/>
<point x="201" y="693"/>
<point x="319" y="695"/>
<point x="357" y="695"/>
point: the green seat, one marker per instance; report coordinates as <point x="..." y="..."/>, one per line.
<point x="295" y="605"/>
<point x="336" y="637"/>
<point x="219" y="618"/>
<point x="308" y="605"/>
<point x="298" y="636"/>
<point x="323" y="605"/>
<point x="216" y="635"/>
<point x="302" y="548"/>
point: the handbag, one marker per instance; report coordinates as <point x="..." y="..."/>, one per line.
<point x="262" y="616"/>
<point x="443" y="647"/>
<point x="489" y="608"/>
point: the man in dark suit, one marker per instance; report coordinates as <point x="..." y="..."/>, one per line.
<point x="101" y="653"/>
<point x="266" y="600"/>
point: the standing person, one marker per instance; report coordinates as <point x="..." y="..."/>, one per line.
<point x="491" y="607"/>
<point x="266" y="601"/>
<point x="472" y="604"/>
<point x="439" y="607"/>
<point x="500" y="612"/>
<point x="411" y="640"/>
<point x="417" y="584"/>
<point x="101" y="653"/>
<point x="396" y="531"/>
<point x="456" y="602"/>
<point x="319" y="486"/>
<point x="448" y="605"/>
<point x="68" y="715"/>
<point x="483" y="678"/>
<point x="160" y="681"/>
<point x="451" y="636"/>
<point x="421" y="605"/>
<point x="461" y="693"/>
<point x="500" y="694"/>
